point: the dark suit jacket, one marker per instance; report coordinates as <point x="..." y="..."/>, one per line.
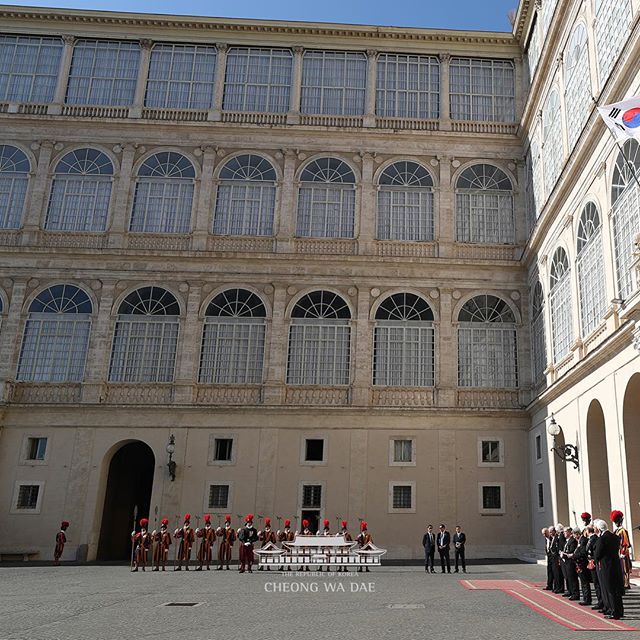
<point x="606" y="555"/>
<point x="461" y="538"/>
<point x="445" y="541"/>
<point x="427" y="543"/>
<point x="570" y="546"/>
<point x="557" y="544"/>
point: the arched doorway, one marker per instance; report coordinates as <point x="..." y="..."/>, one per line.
<point x="598" y="462"/>
<point x="631" y="422"/>
<point x="129" y="485"/>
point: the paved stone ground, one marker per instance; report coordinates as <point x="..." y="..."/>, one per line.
<point x="109" y="603"/>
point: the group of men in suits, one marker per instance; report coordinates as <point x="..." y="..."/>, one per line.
<point x="591" y="554"/>
<point x="442" y="542"/>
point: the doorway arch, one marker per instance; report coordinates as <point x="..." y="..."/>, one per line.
<point x="631" y="424"/>
<point x="129" y="485"/>
<point x="598" y="461"/>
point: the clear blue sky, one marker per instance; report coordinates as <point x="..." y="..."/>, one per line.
<point x="488" y="15"/>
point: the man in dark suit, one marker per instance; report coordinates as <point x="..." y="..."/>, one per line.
<point x="459" y="540"/>
<point x="606" y="555"/>
<point x="592" y="567"/>
<point x="547" y="544"/>
<point x="569" y="565"/>
<point x="444" y="542"/>
<point x="553" y="556"/>
<point x="429" y="544"/>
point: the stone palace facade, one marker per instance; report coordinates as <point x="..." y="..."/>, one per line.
<point x="315" y="271"/>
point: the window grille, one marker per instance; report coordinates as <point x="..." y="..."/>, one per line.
<point x="408" y="86"/>
<point x="560" y="301"/>
<point x="80" y="192"/>
<point x="491" y="497"/>
<point x="482" y="89"/>
<point x="28" y="496"/>
<point x="591" y="281"/>
<point x="181" y="76"/>
<point x="163" y="198"/>
<point x="258" y="80"/>
<point x="611" y="26"/>
<point x="218" y="496"/>
<point x="487" y="344"/>
<point x="233" y="339"/>
<point x="319" y="340"/>
<point x="333" y="83"/>
<point x="145" y="337"/>
<point x="103" y="72"/>
<point x="405" y="203"/>
<point x="538" y="343"/>
<point x="484" y="206"/>
<point x="403" y="351"/>
<point x="577" y="91"/>
<point x="14" y="180"/>
<point x="402" y="496"/>
<point x="311" y="496"/>
<point x="56" y="336"/>
<point x="29" y="68"/>
<point x="552" y="147"/>
<point x="245" y="202"/>
<point x="326" y="200"/>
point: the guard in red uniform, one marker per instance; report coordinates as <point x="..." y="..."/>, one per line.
<point x="363" y="539"/>
<point x="228" y="535"/>
<point x="247" y="537"/>
<point x="187" y="537"/>
<point x="266" y="536"/>
<point x="347" y="536"/>
<point x="162" y="540"/>
<point x="141" y="542"/>
<point x="286" y="535"/>
<point x="61" y="539"/>
<point x="208" y="535"/>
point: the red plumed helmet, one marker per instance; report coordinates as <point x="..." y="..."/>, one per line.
<point x="227" y="518"/>
<point x="305" y="523"/>
<point x="363" y="526"/>
<point x="187" y="517"/>
<point x="64" y="524"/>
<point x="287" y="523"/>
<point x="249" y="517"/>
<point x="616" y="515"/>
<point x="585" y="516"/>
<point x="267" y="522"/>
<point x="207" y="518"/>
<point x="326" y="524"/>
<point x="344" y="524"/>
<point x="165" y="521"/>
<point x="144" y="522"/>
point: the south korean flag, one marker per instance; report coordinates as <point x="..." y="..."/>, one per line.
<point x="623" y="118"/>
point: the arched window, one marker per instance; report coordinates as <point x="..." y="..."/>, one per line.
<point x="145" y="337"/>
<point x="319" y="340"/>
<point x="577" y="92"/>
<point x="625" y="201"/>
<point x="233" y="339"/>
<point x="246" y="198"/>
<point x="164" y="194"/>
<point x="403" y="342"/>
<point x="14" y="179"/>
<point x="538" y="342"/>
<point x="590" y="269"/>
<point x="560" y="300"/>
<point x="552" y="147"/>
<point x="56" y="335"/>
<point x="326" y="200"/>
<point x="405" y="203"/>
<point x="611" y="25"/>
<point x="484" y="206"/>
<point x="80" y="192"/>
<point x="487" y="353"/>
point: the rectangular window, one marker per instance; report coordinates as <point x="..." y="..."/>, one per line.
<point x="492" y="497"/>
<point x="333" y="83"/>
<point x="402" y="496"/>
<point x="482" y="89"/>
<point x="103" y="72"/>
<point x="540" y="496"/>
<point x="181" y="76"/>
<point x="314" y="450"/>
<point x="36" y="448"/>
<point x="487" y="356"/>
<point x="28" y="496"/>
<point x="218" y="496"/>
<point x="403" y="450"/>
<point x="29" y="68"/>
<point x="223" y="449"/>
<point x="408" y="86"/>
<point x="311" y="496"/>
<point x="538" y="447"/>
<point x="258" y="80"/>
<point x="491" y="451"/>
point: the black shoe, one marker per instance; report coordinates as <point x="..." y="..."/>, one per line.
<point x="597" y="608"/>
<point x="547" y="589"/>
<point x="566" y="595"/>
<point x="198" y="568"/>
<point x="612" y="617"/>
<point x="574" y="598"/>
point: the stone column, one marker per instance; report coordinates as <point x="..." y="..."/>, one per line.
<point x="135" y="110"/>
<point x="445" y="210"/>
<point x="361" y="349"/>
<point x="286" y="221"/>
<point x="55" y="108"/>
<point x="10" y="337"/>
<point x="365" y="228"/>
<point x="218" y="88"/>
<point x="293" y="117"/>
<point x="277" y="345"/>
<point x="39" y="193"/>
<point x="204" y="206"/>
<point x="447" y="350"/>
<point x="188" y="359"/>
<point x="100" y="340"/>
<point x="445" y="99"/>
<point x="120" y="196"/>
<point x="370" y="94"/>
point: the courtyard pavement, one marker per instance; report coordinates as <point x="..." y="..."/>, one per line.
<point x="110" y="603"/>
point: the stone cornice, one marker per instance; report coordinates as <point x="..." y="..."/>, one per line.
<point x="521" y="20"/>
<point x="14" y="14"/>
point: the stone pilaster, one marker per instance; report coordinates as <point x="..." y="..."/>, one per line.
<point x="218" y="88"/>
<point x="204" y="205"/>
<point x="135" y="111"/>
<point x="120" y="197"/>
<point x="370" y="94"/>
<point x="277" y="345"/>
<point x="10" y="336"/>
<point x="293" y="117"/>
<point x="445" y="98"/>
<point x="286" y="221"/>
<point x="39" y="193"/>
<point x="55" y="108"/>
<point x="188" y="358"/>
